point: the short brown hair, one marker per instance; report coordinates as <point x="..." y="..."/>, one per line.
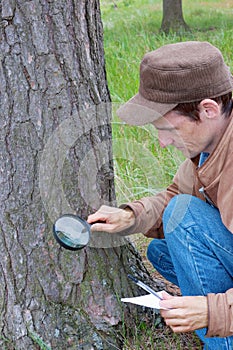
<point x="191" y="109"/>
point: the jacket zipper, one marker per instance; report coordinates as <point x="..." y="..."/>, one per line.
<point x="208" y="200"/>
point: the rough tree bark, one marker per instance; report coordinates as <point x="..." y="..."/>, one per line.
<point x="52" y="70"/>
<point x="173" y="19"/>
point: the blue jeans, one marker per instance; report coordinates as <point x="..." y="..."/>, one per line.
<point x="196" y="254"/>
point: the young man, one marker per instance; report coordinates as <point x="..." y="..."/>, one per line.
<point x="185" y="92"/>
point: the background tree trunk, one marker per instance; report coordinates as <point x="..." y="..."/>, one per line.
<point x="173" y="19"/>
<point x="52" y="71"/>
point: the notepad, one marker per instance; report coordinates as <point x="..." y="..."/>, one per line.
<point x="148" y="300"/>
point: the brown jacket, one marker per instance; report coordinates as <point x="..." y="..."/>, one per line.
<point x="215" y="177"/>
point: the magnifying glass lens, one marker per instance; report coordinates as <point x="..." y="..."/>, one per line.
<point x="71" y="232"/>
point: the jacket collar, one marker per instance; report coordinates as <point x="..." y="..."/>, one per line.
<point x="214" y="163"/>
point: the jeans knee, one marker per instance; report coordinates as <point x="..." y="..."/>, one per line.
<point x="175" y="211"/>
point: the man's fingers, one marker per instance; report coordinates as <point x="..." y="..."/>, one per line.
<point x="103" y="227"/>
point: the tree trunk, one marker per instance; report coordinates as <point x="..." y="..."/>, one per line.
<point x="55" y="120"/>
<point x="173" y="19"/>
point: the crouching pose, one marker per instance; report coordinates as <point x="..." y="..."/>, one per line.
<point x="186" y="93"/>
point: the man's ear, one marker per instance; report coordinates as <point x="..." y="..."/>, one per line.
<point x="209" y="109"/>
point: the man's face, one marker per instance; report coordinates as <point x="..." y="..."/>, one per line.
<point x="189" y="136"/>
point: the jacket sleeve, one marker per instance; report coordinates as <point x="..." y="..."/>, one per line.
<point x="148" y="211"/>
<point x="220" y="313"/>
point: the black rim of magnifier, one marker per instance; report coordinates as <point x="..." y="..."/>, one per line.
<point x="60" y="241"/>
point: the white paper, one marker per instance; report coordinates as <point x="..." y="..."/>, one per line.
<point x="148" y="300"/>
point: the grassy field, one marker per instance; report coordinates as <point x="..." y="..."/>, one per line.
<point x="131" y="28"/>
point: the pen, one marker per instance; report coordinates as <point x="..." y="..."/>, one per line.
<point x="144" y="286"/>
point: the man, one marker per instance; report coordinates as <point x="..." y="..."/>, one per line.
<point x="185" y="92"/>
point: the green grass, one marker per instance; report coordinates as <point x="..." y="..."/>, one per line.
<point x="39" y="341"/>
<point x="142" y="168"/>
<point x="131" y="28"/>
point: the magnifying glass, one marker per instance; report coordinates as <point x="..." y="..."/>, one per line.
<point x="72" y="232"/>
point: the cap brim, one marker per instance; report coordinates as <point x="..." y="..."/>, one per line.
<point x="140" y="111"/>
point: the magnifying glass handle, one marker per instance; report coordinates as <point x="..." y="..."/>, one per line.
<point x="98" y="222"/>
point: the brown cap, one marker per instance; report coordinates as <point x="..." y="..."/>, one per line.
<point x="176" y="73"/>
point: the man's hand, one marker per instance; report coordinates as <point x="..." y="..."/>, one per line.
<point x="114" y="219"/>
<point x="185" y="314"/>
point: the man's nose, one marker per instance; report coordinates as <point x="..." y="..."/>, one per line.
<point x="164" y="140"/>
